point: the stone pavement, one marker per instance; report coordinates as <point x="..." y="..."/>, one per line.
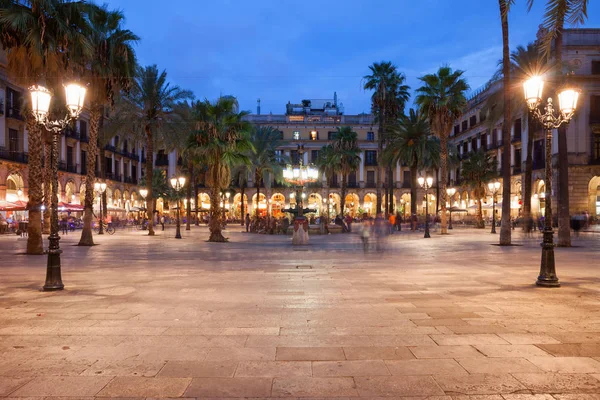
<point x="452" y="317"/>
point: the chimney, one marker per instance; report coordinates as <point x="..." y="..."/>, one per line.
<point x="258" y="107"/>
<point x="335" y="99"/>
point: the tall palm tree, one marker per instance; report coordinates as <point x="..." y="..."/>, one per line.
<point x="239" y="178"/>
<point x="442" y="100"/>
<point x="505" y="227"/>
<point x="346" y="147"/>
<point x="110" y="70"/>
<point x="411" y="142"/>
<point x="558" y="12"/>
<point x="41" y="38"/>
<point x="222" y="141"/>
<point x="390" y="93"/>
<point x="328" y="165"/>
<point x="477" y="171"/>
<point x="151" y="105"/>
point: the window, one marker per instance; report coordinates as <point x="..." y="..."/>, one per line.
<point x="108" y="164"/>
<point x="83" y="157"/>
<point x="331" y="135"/>
<point x="371" y="157"/>
<point x="280" y="134"/>
<point x="125" y="147"/>
<point x="294" y="156"/>
<point x="465" y="125"/>
<point x="406" y="182"/>
<point x="517" y="165"/>
<point x="596" y="148"/>
<point x="296" y="135"/>
<point x="456" y="129"/>
<point x="82" y="129"/>
<point x="473" y="121"/>
<point x="352" y="179"/>
<point x="484" y="141"/>
<point x="474" y="144"/>
<point x="133" y="172"/>
<point x="69" y="156"/>
<point x="13" y="140"/>
<point x="371" y="136"/>
<point x="517" y="133"/>
<point x="371" y="178"/>
<point x="596" y="67"/>
<point x="465" y="147"/>
<point x="482" y="116"/>
<point x="314" y="135"/>
<point x="333" y="181"/>
<point x="314" y="155"/>
<point x="13" y="103"/>
<point x="595" y="110"/>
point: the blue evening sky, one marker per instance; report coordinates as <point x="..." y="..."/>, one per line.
<point x="280" y="50"/>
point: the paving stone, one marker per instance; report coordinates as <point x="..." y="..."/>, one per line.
<point x="425" y="367"/>
<point x="527" y="338"/>
<point x="445" y="352"/>
<point x="314" y="387"/>
<point x="349" y="368"/>
<point x="63" y="386"/>
<point x="397" y="386"/>
<point x="478" y="384"/>
<point x="559" y="383"/>
<point x="229" y="387"/>
<point x="273" y="369"/>
<point x="124" y="368"/>
<point x="134" y="386"/>
<point x="569" y="365"/>
<point x="200" y="369"/>
<point x="378" y="353"/>
<point x="310" y="354"/>
<point x="467" y="339"/>
<point x="10" y="384"/>
<point x="572" y="349"/>
<point x="516" y="350"/>
<point x="497" y="366"/>
<point x="241" y="354"/>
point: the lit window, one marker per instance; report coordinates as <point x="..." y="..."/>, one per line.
<point x="296" y="135"/>
<point x="314" y="135"/>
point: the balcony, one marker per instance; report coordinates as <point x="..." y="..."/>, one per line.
<point x="352" y="185"/>
<point x="131" y="179"/>
<point x="62" y="166"/>
<point x="539" y="164"/>
<point x="161" y="161"/>
<point x="370" y="184"/>
<point x="370" y="163"/>
<point x="12" y="112"/>
<point x="516" y="139"/>
<point x="83" y="170"/>
<point x="72" y="168"/>
<point x="110" y="147"/>
<point x="516" y="170"/>
<point x="406" y="185"/>
<point x="17" y="156"/>
<point x="71" y="133"/>
<point x="109" y="175"/>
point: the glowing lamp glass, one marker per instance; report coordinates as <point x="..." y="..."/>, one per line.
<point x="533" y="89"/>
<point x="567" y="101"/>
<point x="75" y="95"/>
<point x="40" y="102"/>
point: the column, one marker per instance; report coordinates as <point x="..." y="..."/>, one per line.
<point x="121" y="169"/>
<point x="398" y="174"/>
<point x="139" y="164"/>
<point x="63" y="148"/>
<point x="305" y="158"/>
<point x="361" y="170"/>
<point x="172" y="168"/>
<point x="112" y="160"/>
<point x="78" y="156"/>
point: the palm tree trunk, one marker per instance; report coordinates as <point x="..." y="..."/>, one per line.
<point x="35" y="243"/>
<point x="86" y="234"/>
<point x="390" y="194"/>
<point x="215" y="211"/>
<point x="442" y="182"/>
<point x="47" y="181"/>
<point x="343" y="191"/>
<point x="196" y="202"/>
<point x="437" y="192"/>
<point x="505" y="228"/>
<point x="381" y="134"/>
<point x="257" y="183"/>
<point x="242" y="209"/>
<point x="527" y="176"/>
<point x="189" y="198"/>
<point x="413" y="192"/>
<point x="149" y="174"/>
<point x="564" y="218"/>
<point x="480" y="223"/>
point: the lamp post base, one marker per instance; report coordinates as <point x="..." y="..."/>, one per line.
<point x="300" y="235"/>
<point x="547" y="277"/>
<point x="53" y="272"/>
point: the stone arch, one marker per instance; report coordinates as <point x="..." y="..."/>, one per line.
<point x="370" y="204"/>
<point x="14" y="187"/>
<point x="352" y="204"/>
<point x="70" y="190"/>
<point x="384" y="201"/>
<point x="117" y="198"/>
<point x="334" y="204"/>
<point x="594" y="196"/>
<point x="277" y="204"/>
<point x="314" y="201"/>
<point x="82" y="194"/>
<point x="259" y="207"/>
<point x="204" y="201"/>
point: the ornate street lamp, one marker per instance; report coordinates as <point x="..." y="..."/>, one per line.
<point x="100" y="188"/>
<point x="178" y="184"/>
<point x="144" y="193"/>
<point x="494" y="187"/>
<point x="451" y="191"/>
<point x="299" y="175"/>
<point x="550" y="119"/>
<point x="40" y="107"/>
<point x="426" y="183"/>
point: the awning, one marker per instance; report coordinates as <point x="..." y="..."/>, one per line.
<point x="70" y="207"/>
<point x="10" y="206"/>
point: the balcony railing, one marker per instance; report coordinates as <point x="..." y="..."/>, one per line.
<point x="370" y="184"/>
<point x="17" y="156"/>
<point x="71" y="133"/>
<point x="516" y="139"/>
<point x="371" y="163"/>
<point x="62" y="166"/>
<point x="539" y="164"/>
<point x="83" y="170"/>
<point x="161" y="161"/>
<point x="406" y="185"/>
<point x="131" y="179"/>
<point x="12" y="112"/>
<point x="516" y="170"/>
<point x="110" y="147"/>
<point x="352" y="185"/>
<point x="72" y="168"/>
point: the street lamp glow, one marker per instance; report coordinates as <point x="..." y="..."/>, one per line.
<point x="567" y="101"/>
<point x="174" y="182"/>
<point x="75" y="96"/>
<point x="421" y="180"/>
<point x="40" y="102"/>
<point x="144" y="193"/>
<point x="533" y="88"/>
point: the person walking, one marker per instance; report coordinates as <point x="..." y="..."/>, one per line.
<point x="162" y="221"/>
<point x="247" y="221"/>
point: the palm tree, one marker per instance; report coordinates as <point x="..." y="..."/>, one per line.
<point x="222" y="141"/>
<point x="328" y="165"/>
<point x="151" y="105"/>
<point x="442" y="100"/>
<point x="264" y="161"/>
<point x="239" y="178"/>
<point x="477" y="171"/>
<point x="411" y="143"/>
<point x="387" y="103"/>
<point x="42" y="38"/>
<point x="110" y="70"/>
<point x="346" y="147"/>
<point x="557" y="13"/>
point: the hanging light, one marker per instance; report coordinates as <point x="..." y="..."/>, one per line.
<point x="75" y="96"/>
<point x="40" y="102"/>
<point x="567" y="101"/>
<point x="533" y="88"/>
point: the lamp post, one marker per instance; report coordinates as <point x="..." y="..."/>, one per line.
<point x="494" y="187"/>
<point x="426" y="183"/>
<point x="451" y="191"/>
<point x="299" y="175"/>
<point x="178" y="184"/>
<point x="550" y="119"/>
<point x="40" y="106"/>
<point x="100" y="188"/>
<point x="144" y="193"/>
